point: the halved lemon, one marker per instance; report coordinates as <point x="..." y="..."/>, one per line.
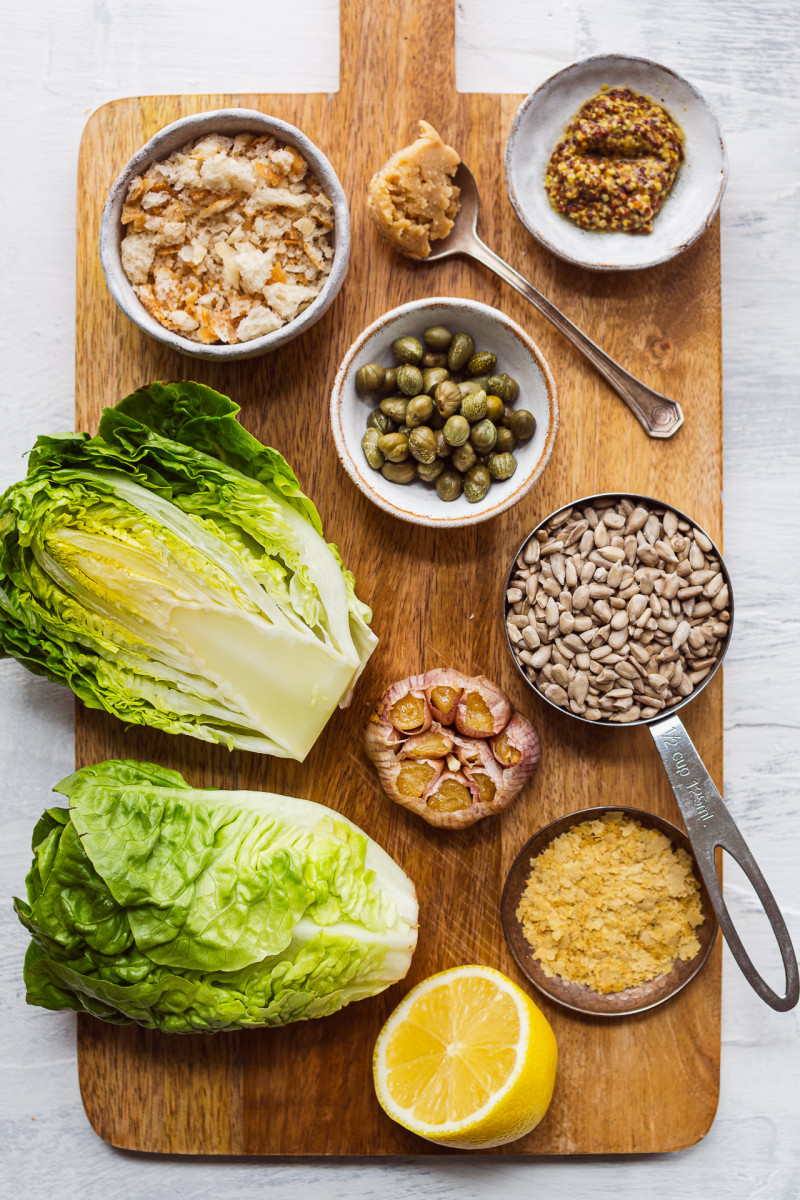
<point x="466" y="1060"/>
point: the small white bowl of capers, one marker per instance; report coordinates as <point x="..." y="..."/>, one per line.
<point x="444" y="412"/>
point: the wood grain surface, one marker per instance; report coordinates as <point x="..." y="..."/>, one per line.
<point x="643" y="1084"/>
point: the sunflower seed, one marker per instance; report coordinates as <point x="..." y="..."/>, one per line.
<point x="560" y="675"/>
<point x="556" y="694"/>
<point x="633" y="714"/>
<point x="720" y="601"/>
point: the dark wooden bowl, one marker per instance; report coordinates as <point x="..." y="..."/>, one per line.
<point x="576" y="996"/>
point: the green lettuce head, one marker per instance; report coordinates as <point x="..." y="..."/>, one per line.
<point x="171" y="572"/>
<point x="196" y="911"/>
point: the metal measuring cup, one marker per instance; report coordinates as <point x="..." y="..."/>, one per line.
<point x="707" y="820"/>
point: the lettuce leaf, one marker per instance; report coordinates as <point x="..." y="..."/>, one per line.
<point x="149" y="901"/>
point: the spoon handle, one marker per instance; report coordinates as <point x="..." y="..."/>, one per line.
<point x="660" y="416"/>
<point x="708" y="825"/>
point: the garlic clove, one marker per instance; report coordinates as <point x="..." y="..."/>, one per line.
<point x="482" y="709"/>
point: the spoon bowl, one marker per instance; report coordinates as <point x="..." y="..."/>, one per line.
<point x="464" y="233"/>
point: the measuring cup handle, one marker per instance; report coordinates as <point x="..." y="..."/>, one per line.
<point x="708" y="825"/>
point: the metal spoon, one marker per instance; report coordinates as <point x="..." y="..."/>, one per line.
<point x="660" y="416"/>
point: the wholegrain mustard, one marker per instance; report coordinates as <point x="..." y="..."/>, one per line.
<point x="616" y="164"/>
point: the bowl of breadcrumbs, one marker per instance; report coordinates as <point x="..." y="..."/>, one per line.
<point x="605" y="913"/>
<point x="226" y="236"/>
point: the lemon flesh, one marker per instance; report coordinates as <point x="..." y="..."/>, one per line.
<point x="466" y="1060"/>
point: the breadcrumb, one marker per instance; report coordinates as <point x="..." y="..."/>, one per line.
<point x="237" y="225"/>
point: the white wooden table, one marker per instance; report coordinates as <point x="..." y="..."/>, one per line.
<point x="59" y="61"/>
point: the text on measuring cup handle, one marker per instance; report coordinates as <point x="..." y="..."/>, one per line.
<point x="692" y="786"/>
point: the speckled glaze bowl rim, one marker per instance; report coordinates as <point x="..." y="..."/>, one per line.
<point x="362" y="481"/>
<point x="171" y="137"/>
<point x="561" y="76"/>
<point x="551" y="988"/>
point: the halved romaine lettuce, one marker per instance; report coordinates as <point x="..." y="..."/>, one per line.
<point x="171" y="571"/>
<point x="152" y="902"/>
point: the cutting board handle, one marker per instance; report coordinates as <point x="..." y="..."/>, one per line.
<point x="397" y="64"/>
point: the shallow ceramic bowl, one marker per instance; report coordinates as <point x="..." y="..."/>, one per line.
<point x="516" y="354"/>
<point x="576" y="996"/>
<point x="539" y="125"/>
<point x="228" y="121"/>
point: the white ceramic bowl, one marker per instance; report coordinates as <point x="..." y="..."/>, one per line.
<point x="517" y="355"/>
<point x="226" y="121"/>
<point x="539" y="125"/>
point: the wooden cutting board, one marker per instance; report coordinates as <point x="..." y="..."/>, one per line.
<point x="642" y="1084"/>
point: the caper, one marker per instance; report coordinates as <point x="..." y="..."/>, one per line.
<point x="502" y="466"/>
<point x="456" y="430"/>
<point x="508" y="413"/>
<point x="447" y="398"/>
<point x="419" y="411"/>
<point x="395" y="407"/>
<point x="407" y="349"/>
<point x="431" y="359"/>
<point x="409" y="379"/>
<point x="402" y="472"/>
<point x="461" y="351"/>
<point x="483" y="436"/>
<point x="448" y="486"/>
<point x="469" y="387"/>
<point x="389" y="386"/>
<point x="497" y="385"/>
<point x="482" y="363"/>
<point x="369" y="444"/>
<point x="430" y="471"/>
<point x="370" y="377"/>
<point x="437" y="337"/>
<point x="443" y="447"/>
<point x="432" y="377"/>
<point x="494" y="407"/>
<point x="522" y="424"/>
<point x="512" y="387"/>
<point x="463" y="457"/>
<point x="393" y="446"/>
<point x="476" y="484"/>
<point x="437" y="420"/>
<point x="422" y="444"/>
<point x="378" y="420"/>
<point x="474" y="407"/>
<point x="505" y="440"/>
